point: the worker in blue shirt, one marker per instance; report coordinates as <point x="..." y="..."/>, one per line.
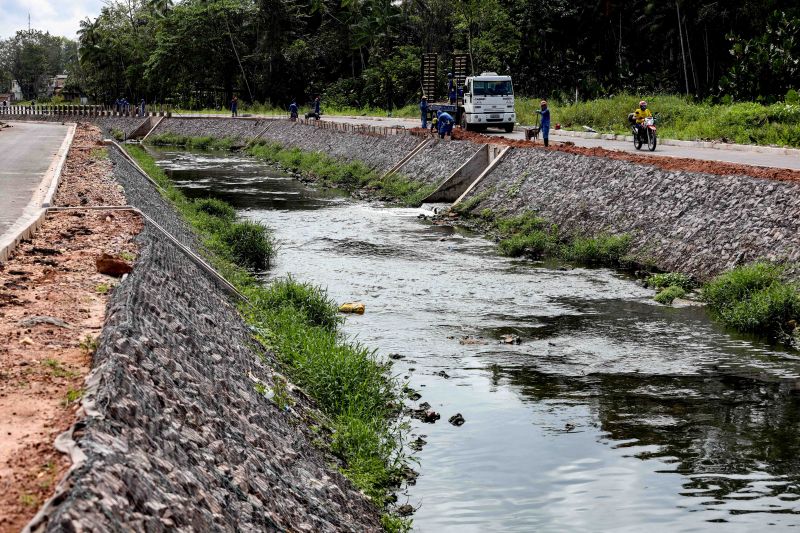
<point x="423" y="109"/>
<point x="544" y="126"/>
<point x="293" y="110"/>
<point x="445" y="125"/>
<point x="451" y="88"/>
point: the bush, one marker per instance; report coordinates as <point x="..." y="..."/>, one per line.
<point x="311" y="301"/>
<point x="667" y="296"/>
<point x="753" y="298"/>
<point x="600" y="250"/>
<point x="661" y="281"/>
<point x="216" y="208"/>
<point x="533" y="244"/>
<point x="250" y="244"/>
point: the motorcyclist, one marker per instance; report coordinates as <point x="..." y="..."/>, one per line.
<point x="640" y="114"/>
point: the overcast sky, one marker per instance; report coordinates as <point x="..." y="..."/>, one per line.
<point x="59" y="17"/>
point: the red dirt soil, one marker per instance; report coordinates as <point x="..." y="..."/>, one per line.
<point x="52" y="308"/>
<point x="667" y="163"/>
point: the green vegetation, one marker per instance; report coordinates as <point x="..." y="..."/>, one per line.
<point x="103" y="288"/>
<point x="664" y="280"/>
<point x="72" y="396"/>
<point x="349" y="175"/>
<point x="301" y="325"/>
<point x="57" y="369"/>
<point x="185" y="141"/>
<point x="529" y="235"/>
<point x="754" y="298"/>
<point x="599" y="250"/>
<point x="681" y="118"/>
<point x="247" y="243"/>
<point x="88" y="344"/>
<point x="668" y="294"/>
<point x="118" y="135"/>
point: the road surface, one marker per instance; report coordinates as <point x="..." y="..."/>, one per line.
<point x="26" y="152"/>
<point x="745" y="157"/>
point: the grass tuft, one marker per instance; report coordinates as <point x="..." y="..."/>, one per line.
<point x="600" y="250"/>
<point x="250" y="244"/>
<point x="664" y="280"/>
<point x="668" y="294"/>
<point x="754" y="298"/>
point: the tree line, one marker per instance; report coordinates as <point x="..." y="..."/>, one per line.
<point x="367" y="52"/>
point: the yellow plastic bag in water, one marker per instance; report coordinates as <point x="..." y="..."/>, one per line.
<point x="352" y="307"/>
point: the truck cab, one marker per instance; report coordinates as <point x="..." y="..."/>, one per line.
<point x="488" y="102"/>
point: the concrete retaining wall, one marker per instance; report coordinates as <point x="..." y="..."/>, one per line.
<point x="695" y="223"/>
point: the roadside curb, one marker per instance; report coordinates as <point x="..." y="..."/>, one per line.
<point x="34" y="213"/>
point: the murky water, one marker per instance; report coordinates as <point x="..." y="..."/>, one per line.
<point x="613" y="414"/>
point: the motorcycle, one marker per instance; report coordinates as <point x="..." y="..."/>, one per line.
<point x="644" y="134"/>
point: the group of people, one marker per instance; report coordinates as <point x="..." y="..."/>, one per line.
<point x="121" y="105"/>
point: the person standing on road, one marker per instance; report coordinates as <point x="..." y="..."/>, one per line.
<point x="293" y="111"/>
<point x="142" y="108"/>
<point x="544" y="125"/>
<point x="423" y="109"/>
<point x="235" y="106"/>
<point x="316" y="107"/>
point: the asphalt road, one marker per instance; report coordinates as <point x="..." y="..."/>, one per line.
<point x="746" y="157"/>
<point x="26" y="152"/>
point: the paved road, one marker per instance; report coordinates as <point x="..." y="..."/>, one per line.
<point x="749" y="157"/>
<point x="26" y="152"/>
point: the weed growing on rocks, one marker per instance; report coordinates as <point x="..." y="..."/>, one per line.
<point x="754" y="298"/>
<point x="600" y="250"/>
<point x="250" y="244"/>
<point x="669" y="279"/>
<point x="301" y="324"/>
<point x="349" y="175"/>
<point x="203" y="143"/>
<point x="668" y="295"/>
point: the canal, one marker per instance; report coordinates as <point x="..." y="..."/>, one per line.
<point x="613" y="413"/>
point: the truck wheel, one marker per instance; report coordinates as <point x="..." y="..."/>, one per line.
<point x="508" y="128"/>
<point x="464" y="124"/>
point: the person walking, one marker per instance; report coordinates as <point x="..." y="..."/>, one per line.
<point x="423" y="109"/>
<point x="316" y="107"/>
<point x="142" y="108"/>
<point x="293" y="111"/>
<point x="235" y="106"/>
<point x="544" y="125"/>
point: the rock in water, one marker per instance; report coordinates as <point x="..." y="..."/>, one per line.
<point x="457" y="420"/>
<point x="357" y="308"/>
<point x="112" y="266"/>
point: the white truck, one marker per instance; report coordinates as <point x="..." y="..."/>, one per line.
<point x="488" y="101"/>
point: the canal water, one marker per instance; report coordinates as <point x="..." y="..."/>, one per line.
<point x="612" y="414"/>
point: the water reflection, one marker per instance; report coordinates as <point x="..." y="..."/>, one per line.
<point x="613" y="414"/>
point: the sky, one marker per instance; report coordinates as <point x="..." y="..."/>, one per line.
<point x="59" y="17"/>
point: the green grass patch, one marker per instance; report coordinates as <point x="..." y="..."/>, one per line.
<point x="185" y="141"/>
<point x="669" y="279"/>
<point x="301" y="324"/>
<point x="668" y="294"/>
<point x="603" y="249"/>
<point x="349" y="175"/>
<point x="754" y="298"/>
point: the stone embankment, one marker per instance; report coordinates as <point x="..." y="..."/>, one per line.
<point x="177" y="434"/>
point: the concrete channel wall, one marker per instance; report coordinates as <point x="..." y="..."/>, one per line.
<point x="176" y="435"/>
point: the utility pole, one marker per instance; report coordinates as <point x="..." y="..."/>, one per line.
<point x="683" y="54"/>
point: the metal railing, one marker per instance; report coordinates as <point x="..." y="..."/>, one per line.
<point x="80" y="111"/>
